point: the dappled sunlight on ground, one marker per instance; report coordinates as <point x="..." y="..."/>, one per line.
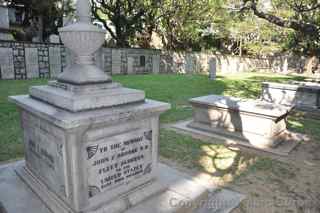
<point x="272" y="183"/>
<point x="222" y="163"/>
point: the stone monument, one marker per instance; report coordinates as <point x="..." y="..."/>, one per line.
<point x="4" y="22"/>
<point x="212" y="68"/>
<point x="91" y="145"/>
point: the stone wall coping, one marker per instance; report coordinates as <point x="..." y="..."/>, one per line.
<point x="242" y="105"/>
<point x="31" y="42"/>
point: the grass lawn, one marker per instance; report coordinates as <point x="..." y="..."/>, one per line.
<point x="248" y="172"/>
<point x="175" y="89"/>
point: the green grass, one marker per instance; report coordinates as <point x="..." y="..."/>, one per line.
<point x="215" y="159"/>
<point x="175" y="89"/>
<point x="222" y="163"/>
<point x="10" y="133"/>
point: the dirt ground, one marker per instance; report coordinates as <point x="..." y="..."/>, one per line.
<point x="292" y="186"/>
<point x="278" y="185"/>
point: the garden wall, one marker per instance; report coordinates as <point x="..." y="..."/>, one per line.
<point x="21" y="60"/>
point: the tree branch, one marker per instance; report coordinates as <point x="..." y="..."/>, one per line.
<point x="305" y="28"/>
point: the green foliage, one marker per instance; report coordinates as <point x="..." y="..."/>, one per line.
<point x="126" y="18"/>
<point x="184" y="22"/>
<point x="41" y="18"/>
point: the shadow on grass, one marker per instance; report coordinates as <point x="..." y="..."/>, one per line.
<point x="224" y="164"/>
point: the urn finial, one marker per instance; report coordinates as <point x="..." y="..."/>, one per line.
<point x="83" y="39"/>
<point x="83" y="11"/>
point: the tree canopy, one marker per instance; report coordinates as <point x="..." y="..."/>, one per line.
<point x="41" y="18"/>
<point x="255" y="27"/>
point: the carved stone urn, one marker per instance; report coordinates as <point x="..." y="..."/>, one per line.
<point x="83" y="39"/>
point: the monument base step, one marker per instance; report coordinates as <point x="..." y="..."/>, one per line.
<point x="288" y="143"/>
<point x="173" y="192"/>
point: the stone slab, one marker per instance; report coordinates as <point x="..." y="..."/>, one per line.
<point x="55" y="61"/>
<point x="284" y="148"/>
<point x="18" y="197"/>
<point x="4" y="17"/>
<point x="243" y="105"/>
<point x="179" y="196"/>
<point x="294" y="85"/>
<point x="6" y="63"/>
<point x="130" y="65"/>
<point x="69" y="120"/>
<point x="240" y="118"/>
<point x="32" y="63"/>
<point x="301" y="95"/>
<point x="156" y="64"/>
<point x="84" y="89"/>
<point x="75" y="103"/>
<point x="116" y="61"/>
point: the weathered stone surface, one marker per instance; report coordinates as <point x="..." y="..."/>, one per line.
<point x="130" y="65"/>
<point x="84" y="89"/>
<point x="65" y="119"/>
<point x="212" y="68"/>
<point x="289" y="139"/>
<point x="54" y="39"/>
<point x="301" y="95"/>
<point x="171" y="196"/>
<point x="116" y="61"/>
<point x="240" y="118"/>
<point x="68" y="100"/>
<point x="55" y="61"/>
<point x="32" y="64"/>
<point x="156" y="64"/>
<point x="45" y="151"/>
<point x="85" y="159"/>
<point x="6" y="63"/>
<point x="18" y="197"/>
<point x="4" y="23"/>
<point x="4" y="17"/>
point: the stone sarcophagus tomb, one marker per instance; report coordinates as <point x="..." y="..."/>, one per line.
<point x="301" y="95"/>
<point x="261" y="124"/>
<point x="91" y="145"/>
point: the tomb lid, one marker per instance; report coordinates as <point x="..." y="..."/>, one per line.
<point x="293" y="85"/>
<point x="242" y="105"/>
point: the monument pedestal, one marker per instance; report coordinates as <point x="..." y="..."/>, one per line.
<point x="90" y="146"/>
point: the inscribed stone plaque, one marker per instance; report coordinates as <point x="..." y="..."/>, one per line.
<point x="6" y="63"/>
<point x="4" y="18"/>
<point x="116" y="61"/>
<point x="212" y="68"/>
<point x="130" y="65"/>
<point x="156" y="64"/>
<point x="32" y="64"/>
<point x="55" y="61"/>
<point x="118" y="161"/>
<point x="44" y="150"/>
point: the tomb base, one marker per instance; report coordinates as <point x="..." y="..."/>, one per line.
<point x="120" y="204"/>
<point x="261" y="124"/>
<point x="183" y="194"/>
